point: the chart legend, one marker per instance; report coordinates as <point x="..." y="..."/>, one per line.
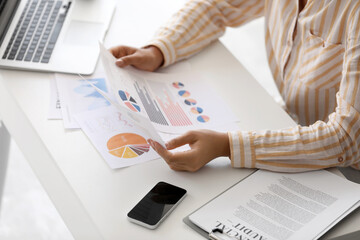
<point x="168" y="104"/>
<point x="203" y="118"/>
<point x="190" y="101"/>
<point x="184" y="93"/>
<point x="196" y="110"/>
<point x="178" y="85"/>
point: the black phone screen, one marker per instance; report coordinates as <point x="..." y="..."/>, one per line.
<point x="157" y="203"/>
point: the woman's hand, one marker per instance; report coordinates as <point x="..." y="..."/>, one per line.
<point x="205" y="146"/>
<point x="148" y="59"/>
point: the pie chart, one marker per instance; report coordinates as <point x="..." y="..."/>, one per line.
<point x="178" y="85"/>
<point x="196" y="110"/>
<point x="129" y="101"/>
<point x="203" y="118"/>
<point x="184" y="93"/>
<point x="190" y="101"/>
<point x="127" y="145"/>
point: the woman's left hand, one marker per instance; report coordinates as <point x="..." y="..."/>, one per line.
<point x="205" y="146"/>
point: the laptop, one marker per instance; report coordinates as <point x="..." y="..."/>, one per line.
<point x="53" y="35"/>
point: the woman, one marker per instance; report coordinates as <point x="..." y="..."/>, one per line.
<point x="313" y="50"/>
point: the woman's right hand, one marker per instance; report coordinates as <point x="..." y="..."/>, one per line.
<point x="149" y="58"/>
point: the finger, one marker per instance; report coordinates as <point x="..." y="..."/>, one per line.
<point x="187" y="138"/>
<point x="121" y="51"/>
<point x="165" y="154"/>
<point x="118" y="51"/>
<point x="128" y="60"/>
<point x="181" y="159"/>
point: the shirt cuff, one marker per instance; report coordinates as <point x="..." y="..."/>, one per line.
<point x="242" y="149"/>
<point x="356" y="166"/>
<point x="167" y="49"/>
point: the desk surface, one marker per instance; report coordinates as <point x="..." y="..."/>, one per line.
<point x="94" y="199"/>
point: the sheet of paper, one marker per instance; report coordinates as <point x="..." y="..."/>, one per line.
<point x="174" y="103"/>
<point x="77" y="95"/>
<point x="54" y="106"/>
<point x="140" y="121"/>
<point x="269" y="205"/>
<point x="115" y="137"/>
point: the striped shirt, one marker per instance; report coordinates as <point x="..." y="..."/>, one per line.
<point x="314" y="56"/>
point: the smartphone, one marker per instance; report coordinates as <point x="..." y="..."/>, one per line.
<point x="156" y="205"/>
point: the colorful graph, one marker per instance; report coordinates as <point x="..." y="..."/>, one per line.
<point x="184" y="93"/>
<point x="88" y="91"/>
<point x="190" y="101"/>
<point x="150" y="105"/>
<point x="169" y="106"/>
<point x="127" y="145"/>
<point x="203" y="118"/>
<point x="178" y="85"/>
<point x="196" y="110"/>
<point x="129" y="101"/>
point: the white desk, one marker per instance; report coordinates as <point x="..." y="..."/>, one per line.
<point x="93" y="199"/>
<point x="4" y="155"/>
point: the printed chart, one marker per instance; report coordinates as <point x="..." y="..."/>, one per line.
<point x="77" y="95"/>
<point x="127" y="145"/>
<point x="184" y="93"/>
<point x="150" y="105"/>
<point x="203" y="118"/>
<point x="169" y="105"/>
<point x="196" y="110"/>
<point x="129" y="101"/>
<point x="166" y="100"/>
<point x="87" y="91"/>
<point x="120" y="143"/>
<point x="178" y="85"/>
<point x="190" y="101"/>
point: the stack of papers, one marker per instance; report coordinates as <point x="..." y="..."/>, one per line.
<point x="119" y="109"/>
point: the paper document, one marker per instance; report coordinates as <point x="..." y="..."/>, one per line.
<point x="76" y="95"/>
<point x="173" y="103"/>
<point x="54" y="106"/>
<point x="115" y="137"/>
<point x="269" y="205"/>
<point x="140" y="121"/>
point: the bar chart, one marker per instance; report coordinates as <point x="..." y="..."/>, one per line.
<point x="171" y="108"/>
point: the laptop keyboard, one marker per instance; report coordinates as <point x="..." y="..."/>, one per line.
<point x="37" y="31"/>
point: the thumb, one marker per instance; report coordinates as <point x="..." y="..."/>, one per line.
<point x="127" y="60"/>
<point x="159" y="149"/>
<point x="187" y="138"/>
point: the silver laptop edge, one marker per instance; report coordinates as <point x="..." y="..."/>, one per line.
<point x="76" y="49"/>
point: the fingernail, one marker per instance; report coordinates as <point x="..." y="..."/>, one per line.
<point x="167" y="145"/>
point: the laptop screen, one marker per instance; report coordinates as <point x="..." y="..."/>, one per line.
<point x="7" y="11"/>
